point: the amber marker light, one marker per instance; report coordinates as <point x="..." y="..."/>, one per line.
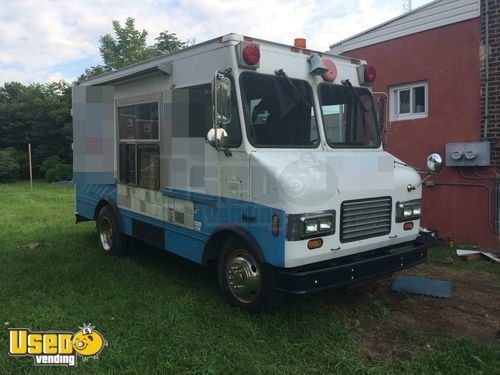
<point x="408" y="225"/>
<point x="314" y="244"/>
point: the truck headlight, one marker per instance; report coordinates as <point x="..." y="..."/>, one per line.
<point x="326" y="224"/>
<point x="316" y="224"/>
<point x="310" y="227"/>
<point x="409" y="210"/>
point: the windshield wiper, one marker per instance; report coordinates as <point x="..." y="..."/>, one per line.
<point x="296" y="91"/>
<point x="348" y="83"/>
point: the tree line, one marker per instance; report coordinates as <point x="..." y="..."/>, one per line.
<point x="39" y="113"/>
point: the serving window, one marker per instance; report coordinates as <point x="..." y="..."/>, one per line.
<point x="138" y="121"/>
<point x="139" y="145"/>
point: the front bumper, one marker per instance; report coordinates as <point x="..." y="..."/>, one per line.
<point x="350" y="270"/>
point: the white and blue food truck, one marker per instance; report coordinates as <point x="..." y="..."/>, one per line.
<point x="262" y="159"/>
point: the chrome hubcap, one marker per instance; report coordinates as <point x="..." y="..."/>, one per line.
<point x="243" y="276"/>
<point x="106" y="234"/>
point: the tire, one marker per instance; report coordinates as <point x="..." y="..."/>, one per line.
<point x="244" y="281"/>
<point x="110" y="239"/>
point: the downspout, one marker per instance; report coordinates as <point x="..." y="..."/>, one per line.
<point x="486" y="101"/>
<point x="487" y="69"/>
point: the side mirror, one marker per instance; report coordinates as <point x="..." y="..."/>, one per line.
<point x="222" y="99"/>
<point x="216" y="137"/>
<point x="434" y="163"/>
<point x="221" y="103"/>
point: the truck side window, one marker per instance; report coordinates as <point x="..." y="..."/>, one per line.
<point x="193" y="118"/>
<point x="139" y="160"/>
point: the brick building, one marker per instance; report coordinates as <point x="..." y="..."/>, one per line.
<point x="440" y="66"/>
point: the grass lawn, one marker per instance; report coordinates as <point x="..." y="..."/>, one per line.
<point x="162" y="314"/>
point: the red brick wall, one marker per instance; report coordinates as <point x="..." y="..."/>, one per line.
<point x="448" y="59"/>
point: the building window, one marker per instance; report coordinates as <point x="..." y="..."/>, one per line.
<point x="139" y="148"/>
<point x="409" y="102"/>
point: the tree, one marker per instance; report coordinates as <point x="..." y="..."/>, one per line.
<point x="168" y="42"/>
<point x="129" y="46"/>
<point x="38" y="114"/>
<point x="9" y="164"/>
<point x="92" y="72"/>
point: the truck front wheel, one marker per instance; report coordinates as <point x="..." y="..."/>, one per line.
<point x="243" y="280"/>
<point x="111" y="240"/>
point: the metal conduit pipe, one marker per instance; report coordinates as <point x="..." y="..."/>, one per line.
<point x="496" y="176"/>
<point x="496" y="180"/>
<point x="473" y="185"/>
<point x="479" y="177"/>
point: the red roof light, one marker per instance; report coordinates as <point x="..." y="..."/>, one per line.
<point x="370" y="73"/>
<point x="251" y="54"/>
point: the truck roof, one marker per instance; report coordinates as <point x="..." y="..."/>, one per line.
<point x="162" y="63"/>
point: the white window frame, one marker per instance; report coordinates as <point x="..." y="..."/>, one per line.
<point x="137" y="140"/>
<point x="125" y="102"/>
<point x="394" y="114"/>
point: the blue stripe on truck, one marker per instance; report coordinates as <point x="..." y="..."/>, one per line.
<point x="211" y="211"/>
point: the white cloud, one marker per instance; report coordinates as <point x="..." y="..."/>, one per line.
<point x="49" y="40"/>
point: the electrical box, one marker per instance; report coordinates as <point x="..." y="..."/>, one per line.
<point x="468" y="154"/>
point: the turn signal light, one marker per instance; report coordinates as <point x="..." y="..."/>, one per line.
<point x="314" y="244"/>
<point x="408" y="225"/>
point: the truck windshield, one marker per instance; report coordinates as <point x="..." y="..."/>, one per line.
<point x="277" y="114"/>
<point x="348" y="121"/>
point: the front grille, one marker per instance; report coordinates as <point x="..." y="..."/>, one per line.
<point x="365" y="218"/>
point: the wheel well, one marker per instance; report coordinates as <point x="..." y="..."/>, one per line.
<point x="109" y="202"/>
<point x="99" y="207"/>
<point x="215" y="244"/>
<point x="219" y="237"/>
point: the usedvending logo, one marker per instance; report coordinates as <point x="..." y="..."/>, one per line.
<point x="56" y="348"/>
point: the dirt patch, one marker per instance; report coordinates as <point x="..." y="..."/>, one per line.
<point x="411" y="321"/>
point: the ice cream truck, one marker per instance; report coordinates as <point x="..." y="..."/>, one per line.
<point x="261" y="160"/>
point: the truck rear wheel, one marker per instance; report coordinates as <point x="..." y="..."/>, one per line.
<point x="243" y="280"/>
<point x="111" y="240"/>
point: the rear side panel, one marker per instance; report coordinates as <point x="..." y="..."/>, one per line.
<point x="93" y="147"/>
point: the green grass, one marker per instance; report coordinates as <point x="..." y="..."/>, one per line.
<point x="441" y="255"/>
<point x="162" y="314"/>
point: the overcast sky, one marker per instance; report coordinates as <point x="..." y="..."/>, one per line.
<point x="42" y="40"/>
